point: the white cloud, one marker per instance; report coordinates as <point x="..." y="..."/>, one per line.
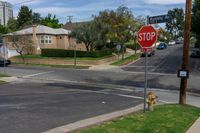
<point x="90" y="7"/>
<point x="165" y="2"/>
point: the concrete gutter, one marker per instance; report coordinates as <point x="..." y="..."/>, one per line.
<point x="94" y="120"/>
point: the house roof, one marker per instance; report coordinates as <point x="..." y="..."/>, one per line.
<point x="41" y="29"/>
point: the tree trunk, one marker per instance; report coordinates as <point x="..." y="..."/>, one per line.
<point x="22" y="56"/>
<point x="91" y="48"/>
<point x="87" y="47"/>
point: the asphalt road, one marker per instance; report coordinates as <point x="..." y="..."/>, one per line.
<point x="29" y="106"/>
<point x="165" y="61"/>
<point x="162" y="69"/>
<point x="44" y="98"/>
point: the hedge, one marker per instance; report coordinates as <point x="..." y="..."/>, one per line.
<point x="70" y="53"/>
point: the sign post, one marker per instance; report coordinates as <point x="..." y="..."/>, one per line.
<point x="146" y="37"/>
<point x="118" y="47"/>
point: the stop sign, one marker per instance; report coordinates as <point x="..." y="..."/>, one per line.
<point x="146" y="36"/>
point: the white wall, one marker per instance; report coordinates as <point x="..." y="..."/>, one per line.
<point x="8" y="52"/>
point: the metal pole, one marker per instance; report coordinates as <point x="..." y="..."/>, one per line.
<point x="118" y="54"/>
<point x="145" y="77"/>
<point x="145" y="81"/>
<point x="4" y="59"/>
<point x="135" y="46"/>
<point x="75" y="56"/>
<point x="185" y="58"/>
<point x="123" y="49"/>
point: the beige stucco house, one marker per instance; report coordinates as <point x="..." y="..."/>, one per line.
<point x="44" y="37"/>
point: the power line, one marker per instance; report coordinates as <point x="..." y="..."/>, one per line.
<point x="24" y="2"/>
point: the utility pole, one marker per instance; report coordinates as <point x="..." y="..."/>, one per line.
<point x="69" y="18"/>
<point x="185" y="58"/>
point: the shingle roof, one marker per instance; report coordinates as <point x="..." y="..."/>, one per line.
<point x="41" y="29"/>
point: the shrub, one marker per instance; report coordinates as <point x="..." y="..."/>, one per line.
<point x="70" y="53"/>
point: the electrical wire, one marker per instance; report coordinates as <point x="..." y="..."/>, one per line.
<point x="28" y="1"/>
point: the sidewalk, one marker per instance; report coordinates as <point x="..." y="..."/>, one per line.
<point x="107" y="65"/>
<point x="8" y="79"/>
<point x="195" y="128"/>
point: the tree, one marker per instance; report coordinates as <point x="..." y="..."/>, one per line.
<point x="3" y="29"/>
<point x="196" y="20"/>
<point x="120" y="21"/>
<point x="12" y="25"/>
<point x="36" y="18"/>
<point x="24" y="17"/>
<point x="141" y="19"/>
<point x="23" y="45"/>
<point x="51" y="21"/>
<point x="93" y="34"/>
<point x="175" y="25"/>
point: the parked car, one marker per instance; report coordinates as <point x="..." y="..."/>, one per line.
<point x="179" y="42"/>
<point x="149" y="53"/>
<point x="195" y="53"/>
<point x="7" y="62"/>
<point x="197" y="46"/>
<point x="171" y="43"/>
<point x="162" y="46"/>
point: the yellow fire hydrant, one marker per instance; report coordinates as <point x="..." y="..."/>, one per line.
<point x="151" y="100"/>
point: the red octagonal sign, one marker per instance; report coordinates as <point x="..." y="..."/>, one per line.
<point x="146" y="36"/>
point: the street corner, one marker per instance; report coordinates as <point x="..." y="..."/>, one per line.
<point x="8" y="79"/>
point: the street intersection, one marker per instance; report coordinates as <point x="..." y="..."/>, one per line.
<point x="44" y="98"/>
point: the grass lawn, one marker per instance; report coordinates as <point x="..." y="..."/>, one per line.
<point x="170" y="118"/>
<point x="4" y="75"/>
<point x="58" y="66"/>
<point x="1" y="76"/>
<point x="66" y="58"/>
<point x="2" y="82"/>
<point x="126" y="60"/>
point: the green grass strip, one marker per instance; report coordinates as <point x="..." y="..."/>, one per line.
<point x="165" y="119"/>
<point x="65" y="58"/>
<point x="57" y="66"/>
<point x="126" y="60"/>
<point x="4" y="75"/>
<point x="2" y="82"/>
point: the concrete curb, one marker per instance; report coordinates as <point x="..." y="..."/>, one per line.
<point x="9" y="79"/>
<point x="195" y="128"/>
<point x="130" y="63"/>
<point x="102" y="67"/>
<point x="94" y="120"/>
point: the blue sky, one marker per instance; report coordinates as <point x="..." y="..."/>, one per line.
<point x="82" y="10"/>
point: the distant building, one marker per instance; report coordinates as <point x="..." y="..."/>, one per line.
<point x="6" y="12"/>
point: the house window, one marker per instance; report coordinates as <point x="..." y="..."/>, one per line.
<point x="45" y="39"/>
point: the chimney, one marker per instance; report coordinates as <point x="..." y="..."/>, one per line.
<point x="35" y="40"/>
